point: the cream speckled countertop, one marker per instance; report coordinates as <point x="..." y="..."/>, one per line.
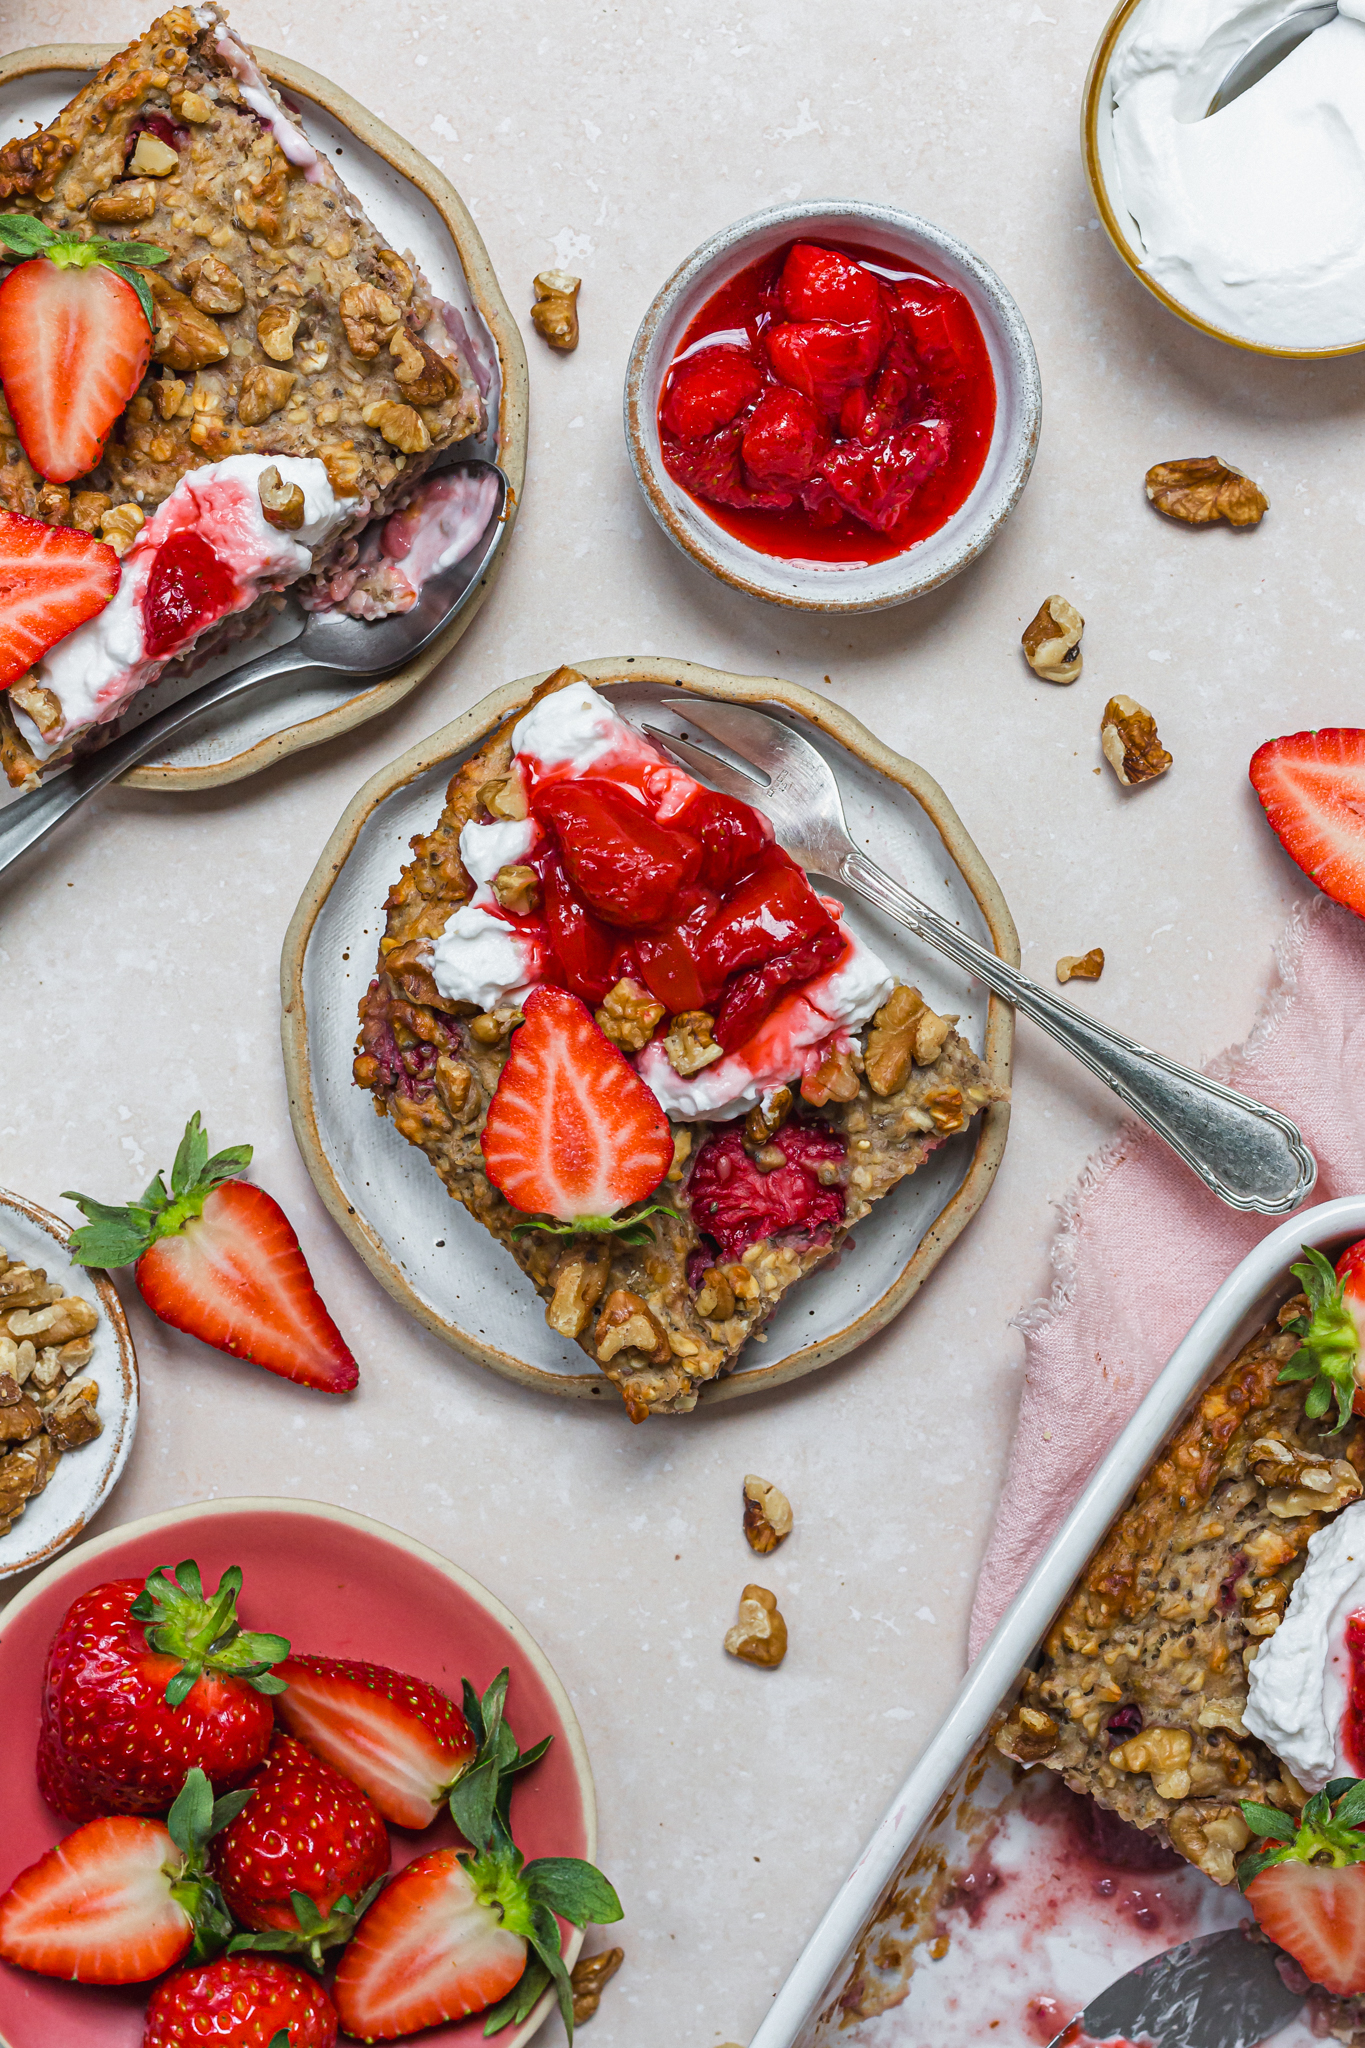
<point x="140" y="955"/>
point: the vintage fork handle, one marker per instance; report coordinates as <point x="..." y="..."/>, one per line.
<point x="1250" y="1155"/>
<point x="31" y="818"/>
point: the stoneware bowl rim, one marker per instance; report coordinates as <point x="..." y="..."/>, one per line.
<point x="1091" y="110"/>
<point x="170" y="1520"/>
<point x="375" y="698"/>
<point x="974" y="526"/>
<point x="461" y="738"/>
<point x="120" y="1427"/>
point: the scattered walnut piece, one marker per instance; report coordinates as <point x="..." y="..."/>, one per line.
<point x="629" y="1015"/>
<point x="628" y="1324"/>
<point x="1081" y="966"/>
<point x="947" y="1108"/>
<point x="1211" y="1841"/>
<point x="1302" y="1482"/>
<point x="1128" y="737"/>
<point x="1052" y="641"/>
<point x="88" y="508"/>
<point x="1202" y="489"/>
<point x="904" y="1029"/>
<point x="689" y="1042"/>
<point x="760" y="1634"/>
<point x="1028" y="1735"/>
<point x="402" y="427"/>
<point x="1164" y="1753"/>
<point x="276" y="327"/>
<point x="588" y="1979"/>
<point x="494" y="1025"/>
<point x="555" y="312"/>
<point x="762" y="1125"/>
<point x="767" y="1514"/>
<point x="716" y="1296"/>
<point x="43" y="706"/>
<point x="281" y="503"/>
<point x="835" y="1079"/>
<point x="192" y="106"/>
<point x="579" y="1277"/>
<point x="120" y="526"/>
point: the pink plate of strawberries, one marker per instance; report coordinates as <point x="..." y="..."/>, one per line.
<point x="276" y="1774"/>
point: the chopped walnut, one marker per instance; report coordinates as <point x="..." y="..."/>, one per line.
<point x="1081" y="966"/>
<point x="54" y="504"/>
<point x="213" y="287"/>
<point x="762" y="1124"/>
<point x="760" y="1634"/>
<point x="88" y="508"/>
<point x="281" y="504"/>
<point x="628" y="1324"/>
<point x="452" y="1083"/>
<point x="263" y="392"/>
<point x="947" y="1108"/>
<point x="186" y="338"/>
<point x="424" y="377"/>
<point x="123" y="205"/>
<point x="1202" y="489"/>
<point x="1211" y="1841"/>
<point x="1164" y="1753"/>
<point x="396" y="271"/>
<point x="517" y="888"/>
<point x="402" y="427"/>
<point x="1128" y="737"/>
<point x="629" y="1015"/>
<point x="45" y="1337"/>
<point x="343" y="466"/>
<point x="767" y="1514"/>
<point x="682" y="1152"/>
<point x="505" y="798"/>
<point x="1028" y="1735"/>
<point x="1302" y="1482"/>
<point x="153" y="158"/>
<point x="834" y="1080"/>
<point x="716" y="1295"/>
<point x="276" y="327"/>
<point x="904" y="1029"/>
<point x="43" y="706"/>
<point x="120" y="526"/>
<point x="555" y="312"/>
<point x="369" y="317"/>
<point x="690" y="1043"/>
<point x="579" y="1278"/>
<point x="192" y="107"/>
<point x="588" y="1979"/>
<point x="1052" y="641"/>
<point x="494" y="1025"/>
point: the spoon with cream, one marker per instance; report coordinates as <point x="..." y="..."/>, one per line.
<point x="1271" y="49"/>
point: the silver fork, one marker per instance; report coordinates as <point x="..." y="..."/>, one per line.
<point x="1250" y="1155"/>
<point x="327" y="640"/>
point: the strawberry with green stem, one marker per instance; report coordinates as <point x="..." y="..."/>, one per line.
<point x="216" y="1257"/>
<point x="1306" y="1883"/>
<point x="1329" y="1352"/>
<point x="76" y="330"/>
<point x="123" y="1899"/>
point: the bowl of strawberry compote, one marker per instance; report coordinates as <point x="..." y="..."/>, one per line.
<point x="833" y="407"/>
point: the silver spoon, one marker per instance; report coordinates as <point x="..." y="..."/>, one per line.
<point x="1217" y="1991"/>
<point x="1251" y="1156"/>
<point x="1272" y="49"/>
<point x="327" y="640"/>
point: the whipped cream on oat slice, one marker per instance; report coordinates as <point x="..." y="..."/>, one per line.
<point x="1299" y="1682"/>
<point x="96" y="671"/>
<point x="481" y="958"/>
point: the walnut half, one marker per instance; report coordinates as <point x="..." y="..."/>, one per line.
<point x="1028" y="1736"/>
<point x="1129" y="739"/>
<point x="1202" y="489"/>
<point x="629" y="1015"/>
<point x="1052" y="641"/>
<point x="760" y="1634"/>
<point x="628" y="1324"/>
<point x="767" y="1514"/>
<point x="1081" y="966"/>
<point x="588" y="1979"/>
<point x="555" y="312"/>
<point x="282" y="504"/>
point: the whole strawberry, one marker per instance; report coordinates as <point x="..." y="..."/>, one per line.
<point x="240" y="2002"/>
<point x="145" y="1682"/>
<point x="300" y="1861"/>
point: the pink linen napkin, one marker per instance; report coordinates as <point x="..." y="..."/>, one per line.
<point x="1143" y="1244"/>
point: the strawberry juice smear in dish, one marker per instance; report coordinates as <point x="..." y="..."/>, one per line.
<point x="830" y="405"/>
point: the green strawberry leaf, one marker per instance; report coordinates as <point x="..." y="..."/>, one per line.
<point x="1268" y="1820"/>
<point x="520" y="2000"/>
<point x="576" y="1890"/>
<point x="545" y="1942"/>
<point x="632" y="1230"/>
<point x="1329" y="1348"/>
<point x="226" y="1809"/>
<point x="1325" y="1831"/>
<point x="473" y="1802"/>
<point x="1350" y="1811"/>
<point x="205" y="1634"/>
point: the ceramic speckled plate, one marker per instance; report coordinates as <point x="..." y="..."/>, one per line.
<point x="418" y="209"/>
<point x="84" y="1478"/>
<point x="336" y="1584"/>
<point x="435" y="1259"/>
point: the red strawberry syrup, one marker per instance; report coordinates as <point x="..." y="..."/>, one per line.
<point x="1353" y="1720"/>
<point x="829" y="404"/>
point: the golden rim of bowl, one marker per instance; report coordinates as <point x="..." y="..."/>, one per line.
<point x="1090" y="156"/>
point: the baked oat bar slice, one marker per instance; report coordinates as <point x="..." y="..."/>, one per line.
<point x="662" y="1317"/>
<point x="285" y="324"/>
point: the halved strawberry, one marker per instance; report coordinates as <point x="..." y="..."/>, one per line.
<point x="1306" y="1883"/>
<point x="1333" y="1333"/>
<point x="433" y="1946"/>
<point x="122" y="1899"/>
<point x="241" y="2001"/>
<point x="75" y="338"/>
<point x="403" y="1741"/>
<point x="52" y="579"/>
<point x="218" y="1258"/>
<point x="1312" y="785"/>
<point x="572" y="1130"/>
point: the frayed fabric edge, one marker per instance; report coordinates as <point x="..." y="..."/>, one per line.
<point x="1271" y="1012"/>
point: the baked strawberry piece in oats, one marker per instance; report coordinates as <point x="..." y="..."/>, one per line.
<point x="215" y="367"/>
<point x="641" y="1049"/>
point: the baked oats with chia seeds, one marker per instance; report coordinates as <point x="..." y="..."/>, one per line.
<point x="282" y="387"/>
<point x="640" y="1049"/>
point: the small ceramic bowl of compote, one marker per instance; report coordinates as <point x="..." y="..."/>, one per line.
<point x="833" y="406"/>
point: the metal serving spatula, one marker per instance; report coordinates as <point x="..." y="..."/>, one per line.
<point x="1218" y="1991"/>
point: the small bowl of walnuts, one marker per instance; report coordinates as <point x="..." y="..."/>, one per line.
<point x="68" y="1388"/>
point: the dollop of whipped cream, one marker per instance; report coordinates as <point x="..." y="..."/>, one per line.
<point x="481" y="958"/>
<point x="97" y="670"/>
<point x="1299" y="1683"/>
<point x="1253" y="218"/>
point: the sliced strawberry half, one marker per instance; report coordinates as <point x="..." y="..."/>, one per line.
<point x="572" y="1130"/>
<point x="1312" y="785"/>
<point x="1332" y="1333"/>
<point x="219" y="1259"/>
<point x="52" y="579"/>
<point x="1305" y="1882"/>
<point x="75" y="339"/>
<point x="401" y="1740"/>
<point x="432" y="1947"/>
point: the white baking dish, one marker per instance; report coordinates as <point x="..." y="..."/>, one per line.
<point x="806" y="2012"/>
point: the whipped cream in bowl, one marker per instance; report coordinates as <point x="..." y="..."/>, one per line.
<point x="1248" y="223"/>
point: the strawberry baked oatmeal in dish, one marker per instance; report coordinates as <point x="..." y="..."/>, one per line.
<point x="640" y="1049"/>
<point x="1205" y="1682"/>
<point x="219" y="381"/>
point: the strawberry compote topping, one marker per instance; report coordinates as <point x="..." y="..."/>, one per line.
<point x="189" y="588"/>
<point x="738" y="1204"/>
<point x="830" y="405"/>
<point x="1353" y="1720"/>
